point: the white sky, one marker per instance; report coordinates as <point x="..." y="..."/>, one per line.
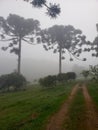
<point x="82" y="14"/>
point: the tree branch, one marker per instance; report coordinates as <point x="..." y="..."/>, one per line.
<point x="46" y="6"/>
<point x="74" y="55"/>
<point x="28" y="42"/>
<point x="8" y="39"/>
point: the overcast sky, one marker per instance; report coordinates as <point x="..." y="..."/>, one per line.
<point x="82" y="14"/>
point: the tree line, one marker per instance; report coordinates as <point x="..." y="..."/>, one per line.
<point x="61" y="39"/>
<point x="15" y="81"/>
<point x="53" y="80"/>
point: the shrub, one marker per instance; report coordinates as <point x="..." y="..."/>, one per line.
<point x="71" y="75"/>
<point x="48" y="81"/>
<point x="14" y="79"/>
<point x="62" y="77"/>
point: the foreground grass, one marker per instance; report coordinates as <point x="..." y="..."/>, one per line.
<point x="93" y="91"/>
<point x="76" y="114"/>
<point x="30" y="109"/>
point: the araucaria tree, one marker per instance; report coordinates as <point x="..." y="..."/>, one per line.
<point x="16" y="29"/>
<point x="53" y="10"/>
<point x="64" y="39"/>
<point x="95" y="45"/>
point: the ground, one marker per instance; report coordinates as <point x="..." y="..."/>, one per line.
<point x="72" y="106"/>
<point x="91" y="116"/>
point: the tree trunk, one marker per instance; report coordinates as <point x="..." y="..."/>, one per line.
<point x="60" y="61"/>
<point x="19" y="57"/>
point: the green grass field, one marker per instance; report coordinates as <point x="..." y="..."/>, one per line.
<point x="30" y="109"/>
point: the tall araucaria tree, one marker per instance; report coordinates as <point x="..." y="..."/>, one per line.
<point x="16" y="29"/>
<point x="95" y="45"/>
<point x="53" y="10"/>
<point x="64" y="39"/>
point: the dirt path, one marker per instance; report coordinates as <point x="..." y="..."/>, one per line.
<point x="91" y="114"/>
<point x="57" y="120"/>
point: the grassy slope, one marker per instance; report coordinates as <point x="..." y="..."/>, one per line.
<point x="30" y="109"/>
<point x="76" y="113"/>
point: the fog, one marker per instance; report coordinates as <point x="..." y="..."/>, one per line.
<point x="36" y="62"/>
<point x="34" y="69"/>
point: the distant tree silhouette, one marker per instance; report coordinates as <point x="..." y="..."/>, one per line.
<point x="52" y="9"/>
<point x="85" y="73"/>
<point x="64" y="39"/>
<point x="95" y="45"/>
<point x="16" y="29"/>
<point x="93" y="70"/>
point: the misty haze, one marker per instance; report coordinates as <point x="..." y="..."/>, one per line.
<point x="81" y="14"/>
<point x="49" y="64"/>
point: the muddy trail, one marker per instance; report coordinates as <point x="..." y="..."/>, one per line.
<point x="57" y="120"/>
<point x="91" y="118"/>
<point x="91" y="114"/>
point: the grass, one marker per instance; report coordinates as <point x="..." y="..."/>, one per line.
<point x="30" y="109"/>
<point x="93" y="91"/>
<point x="76" y="114"/>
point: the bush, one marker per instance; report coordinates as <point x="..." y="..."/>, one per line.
<point x="14" y="79"/>
<point x="62" y="77"/>
<point x="71" y="75"/>
<point x="48" y="81"/>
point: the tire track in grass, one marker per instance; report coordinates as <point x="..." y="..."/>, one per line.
<point x="76" y="113"/>
<point x="91" y="114"/>
<point x="57" y="120"/>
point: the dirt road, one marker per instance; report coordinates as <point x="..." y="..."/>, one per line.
<point x="56" y="121"/>
<point x="91" y="114"/>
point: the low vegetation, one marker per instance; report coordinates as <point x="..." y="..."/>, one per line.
<point x="48" y="81"/>
<point x="13" y="81"/>
<point x="53" y="80"/>
<point x="31" y="109"/>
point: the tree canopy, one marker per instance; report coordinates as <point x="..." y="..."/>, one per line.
<point x="64" y="39"/>
<point x="53" y="10"/>
<point x="95" y="45"/>
<point x="16" y="29"/>
<point x="94" y="72"/>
